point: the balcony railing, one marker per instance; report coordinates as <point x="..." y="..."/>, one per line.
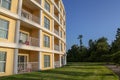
<point x="56" y="47"/>
<point x="30" y="16"/>
<point x="57" y="64"/>
<point x="30" y="41"/>
<point x="38" y="1"/>
<point x="56" y="17"/>
<point x="24" y="67"/>
<point x="56" y="32"/>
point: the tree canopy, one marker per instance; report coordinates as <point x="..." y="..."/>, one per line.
<point x="98" y="50"/>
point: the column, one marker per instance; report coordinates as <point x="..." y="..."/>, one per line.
<point x="40" y="45"/>
<point x="53" y="52"/>
<point x="53" y="42"/>
<point x="60" y="60"/>
<point x="53" y="60"/>
<point x="20" y="7"/>
<point x="53" y="10"/>
<point x="65" y="59"/>
<point x="15" y="61"/>
<point x="40" y="38"/>
<point x="41" y="23"/>
<point x="59" y="17"/>
<point x="59" y="30"/>
<point x="59" y="4"/>
<point x="60" y="45"/>
<point x="16" y="51"/>
<point x="40" y="61"/>
<point x="53" y="26"/>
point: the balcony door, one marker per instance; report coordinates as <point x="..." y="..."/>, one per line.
<point x="22" y="62"/>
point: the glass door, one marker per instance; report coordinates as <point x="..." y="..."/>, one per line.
<point x="22" y="63"/>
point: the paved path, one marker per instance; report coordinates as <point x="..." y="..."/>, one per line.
<point x="114" y="69"/>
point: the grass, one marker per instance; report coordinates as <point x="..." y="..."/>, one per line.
<point x="73" y="71"/>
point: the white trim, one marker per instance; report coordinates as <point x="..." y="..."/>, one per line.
<point x="53" y="61"/>
<point x="60" y="60"/>
<point x="53" y="43"/>
<point x="15" y="61"/>
<point x="39" y="61"/>
<point x="8" y="13"/>
<point x="9" y="45"/>
<point x="20" y="7"/>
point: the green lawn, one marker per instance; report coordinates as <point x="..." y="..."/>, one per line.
<point x="73" y="71"/>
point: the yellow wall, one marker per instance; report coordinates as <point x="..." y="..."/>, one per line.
<point x="9" y="61"/>
<point x="51" y="61"/>
<point x="11" y="29"/>
<point x="14" y="6"/>
<point x="32" y="55"/>
<point x="43" y="33"/>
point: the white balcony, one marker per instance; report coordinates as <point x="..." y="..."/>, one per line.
<point x="24" y="67"/>
<point x="29" y="16"/>
<point x="56" y="17"/>
<point x="29" y="42"/>
<point x="56" y="32"/>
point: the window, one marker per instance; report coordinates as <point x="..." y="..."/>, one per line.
<point x="46" y="23"/>
<point x="46" y="41"/>
<point x="5" y="4"/>
<point x="23" y="37"/>
<point x="47" y="6"/>
<point x="4" y="28"/>
<point x="46" y="61"/>
<point x="61" y="34"/>
<point x="2" y="61"/>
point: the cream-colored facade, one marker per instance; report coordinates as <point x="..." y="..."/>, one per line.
<point x="32" y="35"/>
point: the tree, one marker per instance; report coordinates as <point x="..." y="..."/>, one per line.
<point x="116" y="57"/>
<point x="73" y="54"/>
<point x="115" y="46"/>
<point x="80" y="38"/>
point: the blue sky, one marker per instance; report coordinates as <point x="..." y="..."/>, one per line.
<point x="91" y="18"/>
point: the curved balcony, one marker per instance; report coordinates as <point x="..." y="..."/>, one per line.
<point x="27" y="15"/>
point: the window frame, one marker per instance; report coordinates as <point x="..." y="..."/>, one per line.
<point x="46" y="23"/>
<point x="5" y="30"/>
<point x="46" y="61"/>
<point x="21" y="37"/>
<point x="47" y="6"/>
<point x="8" y="1"/>
<point x="46" y="41"/>
<point x="4" y="62"/>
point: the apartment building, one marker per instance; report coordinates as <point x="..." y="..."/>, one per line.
<point x="32" y="35"/>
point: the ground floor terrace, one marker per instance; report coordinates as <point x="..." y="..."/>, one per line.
<point x="18" y="61"/>
<point x="72" y="71"/>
